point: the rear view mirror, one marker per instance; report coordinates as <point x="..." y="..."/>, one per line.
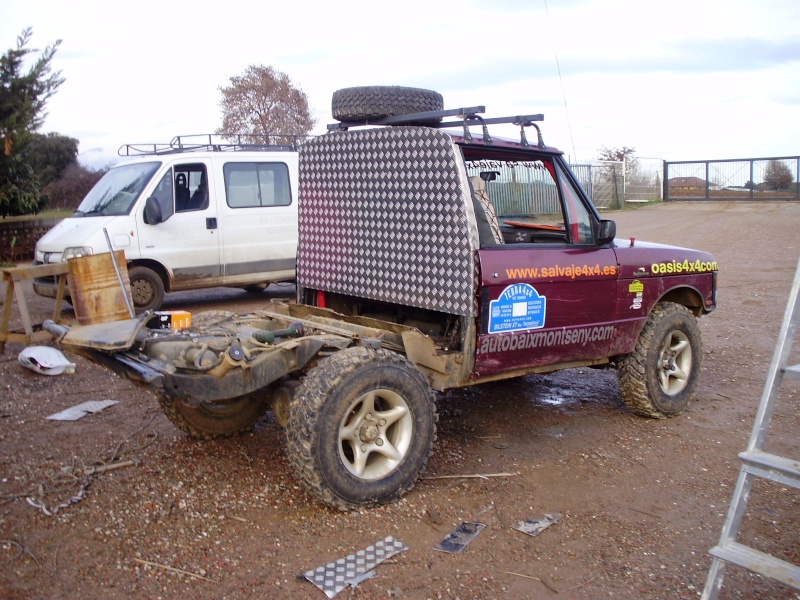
<point x="152" y="211"/>
<point x="606" y="232"/>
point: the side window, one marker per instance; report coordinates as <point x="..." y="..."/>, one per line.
<point x="578" y="217"/>
<point x="533" y="200"/>
<point x="163" y="193"/>
<point x="191" y="187"/>
<point x="257" y="184"/>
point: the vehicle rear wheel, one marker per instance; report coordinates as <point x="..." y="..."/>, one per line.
<point x="147" y="289"/>
<point x="209" y="420"/>
<point x="659" y="377"/>
<point x="361" y="428"/>
<point x="376" y="102"/>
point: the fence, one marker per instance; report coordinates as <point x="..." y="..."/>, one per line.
<point x="18" y="238"/>
<point x="744" y="179"/>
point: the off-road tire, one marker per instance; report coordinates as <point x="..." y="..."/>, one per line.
<point x="376" y="102"/>
<point x="646" y="372"/>
<point x="147" y="289"/>
<point x="209" y="420"/>
<point x="350" y="390"/>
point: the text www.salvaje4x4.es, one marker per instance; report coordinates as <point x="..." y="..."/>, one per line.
<point x="571" y="271"/>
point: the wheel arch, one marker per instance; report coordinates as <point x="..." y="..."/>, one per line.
<point x="686" y="295"/>
<point x="159" y="269"/>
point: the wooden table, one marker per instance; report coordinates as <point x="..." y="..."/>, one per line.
<point x="12" y="277"/>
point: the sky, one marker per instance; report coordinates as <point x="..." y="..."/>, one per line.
<point x="678" y="80"/>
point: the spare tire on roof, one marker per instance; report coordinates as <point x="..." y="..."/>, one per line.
<point x="376" y="102"/>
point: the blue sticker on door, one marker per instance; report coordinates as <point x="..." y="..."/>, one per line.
<point x="519" y="307"/>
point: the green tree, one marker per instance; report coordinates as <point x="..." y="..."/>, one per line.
<point x="778" y="176"/>
<point x="50" y="155"/>
<point x="23" y="96"/>
<point x="264" y="103"/>
<point x="71" y="187"/>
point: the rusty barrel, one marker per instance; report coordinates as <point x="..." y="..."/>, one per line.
<point x="94" y="288"/>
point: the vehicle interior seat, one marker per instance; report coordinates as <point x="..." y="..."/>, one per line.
<point x="181" y="192"/>
<point x="199" y="199"/>
<point x="480" y="193"/>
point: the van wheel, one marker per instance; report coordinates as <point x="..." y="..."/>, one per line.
<point x="209" y="420"/>
<point x="147" y="289"/>
<point x="361" y="427"/>
<point x="377" y="102"/>
<point x="659" y="377"/>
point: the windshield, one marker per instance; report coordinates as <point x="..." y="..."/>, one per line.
<point x="117" y="191"/>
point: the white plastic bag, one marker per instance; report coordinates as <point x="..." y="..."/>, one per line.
<point x="45" y="360"/>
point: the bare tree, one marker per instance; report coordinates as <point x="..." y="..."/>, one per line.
<point x="623" y="155"/>
<point x="264" y="103"/>
<point x="778" y="176"/>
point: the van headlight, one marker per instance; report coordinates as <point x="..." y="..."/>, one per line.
<point x="76" y="252"/>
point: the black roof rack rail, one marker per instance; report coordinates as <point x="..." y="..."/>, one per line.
<point x="469" y="116"/>
<point x="212" y="142"/>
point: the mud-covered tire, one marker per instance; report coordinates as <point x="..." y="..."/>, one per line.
<point x="147" y="289"/>
<point x="361" y="428"/>
<point x="209" y="420"/>
<point x="658" y="379"/>
<point x="376" y="102"/>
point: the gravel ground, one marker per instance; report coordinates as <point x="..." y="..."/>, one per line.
<point x="641" y="501"/>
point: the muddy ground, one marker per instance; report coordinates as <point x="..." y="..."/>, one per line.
<point x="641" y="501"/>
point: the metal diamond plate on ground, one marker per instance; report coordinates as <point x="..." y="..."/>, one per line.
<point x="385" y="214"/>
<point x="334" y="577"/>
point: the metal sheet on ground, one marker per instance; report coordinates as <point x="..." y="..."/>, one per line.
<point x="455" y="541"/>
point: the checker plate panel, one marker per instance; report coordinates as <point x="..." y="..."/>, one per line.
<point x="384" y="215"/>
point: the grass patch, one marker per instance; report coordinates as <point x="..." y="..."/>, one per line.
<point x="51" y="213"/>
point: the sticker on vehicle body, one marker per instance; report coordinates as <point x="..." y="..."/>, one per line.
<point x="519" y="307"/>
<point x="636" y="287"/>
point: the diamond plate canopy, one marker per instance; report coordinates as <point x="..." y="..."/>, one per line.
<point x="386" y="214"/>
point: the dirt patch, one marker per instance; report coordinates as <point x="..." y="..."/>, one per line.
<point x="642" y="500"/>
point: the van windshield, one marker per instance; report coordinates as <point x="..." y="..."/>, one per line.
<point x="117" y="191"/>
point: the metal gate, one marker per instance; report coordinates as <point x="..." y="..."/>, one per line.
<point x="748" y="179"/>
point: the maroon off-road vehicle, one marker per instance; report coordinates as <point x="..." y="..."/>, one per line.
<point x="431" y="256"/>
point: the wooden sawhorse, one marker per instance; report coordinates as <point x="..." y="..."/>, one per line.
<point x="15" y="275"/>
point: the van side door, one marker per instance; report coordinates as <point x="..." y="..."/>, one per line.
<point x="258" y="218"/>
<point x="186" y="240"/>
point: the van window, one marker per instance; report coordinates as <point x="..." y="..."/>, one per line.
<point x="163" y="193"/>
<point x="257" y="184"/>
<point x="191" y="187"/>
<point x="117" y="191"/>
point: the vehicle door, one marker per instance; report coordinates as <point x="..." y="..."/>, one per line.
<point x="186" y="240"/>
<point x="258" y="220"/>
<point x="548" y="288"/>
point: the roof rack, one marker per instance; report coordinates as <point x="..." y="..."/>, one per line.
<point x="224" y="142"/>
<point x="469" y="116"/>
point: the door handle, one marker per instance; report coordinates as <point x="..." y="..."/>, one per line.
<point x="211" y="223"/>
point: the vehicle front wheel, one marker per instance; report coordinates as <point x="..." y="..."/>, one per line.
<point x="659" y="377"/>
<point x="147" y="289"/>
<point x="209" y="420"/>
<point x="361" y="428"/>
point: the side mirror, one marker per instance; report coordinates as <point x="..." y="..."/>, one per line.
<point x="152" y="211"/>
<point x="606" y="232"/>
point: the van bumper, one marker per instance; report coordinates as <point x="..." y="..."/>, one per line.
<point x="47" y="287"/>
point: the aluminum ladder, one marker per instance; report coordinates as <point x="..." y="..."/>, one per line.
<point x="757" y="463"/>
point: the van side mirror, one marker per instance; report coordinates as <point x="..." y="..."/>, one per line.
<point x="152" y="211"/>
<point x="606" y="232"/>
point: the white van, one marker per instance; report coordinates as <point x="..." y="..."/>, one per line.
<point x="188" y="216"/>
